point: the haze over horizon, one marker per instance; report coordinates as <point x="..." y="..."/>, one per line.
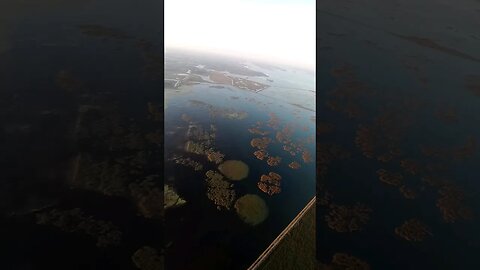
<point x="281" y="32"/>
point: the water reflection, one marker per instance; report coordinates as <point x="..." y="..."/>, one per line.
<point x="246" y="193"/>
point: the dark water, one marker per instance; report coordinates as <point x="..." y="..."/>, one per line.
<point x="38" y="116"/>
<point x="365" y="36"/>
<point x="201" y="236"/>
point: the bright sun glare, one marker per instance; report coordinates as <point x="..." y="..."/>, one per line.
<point x="277" y="31"/>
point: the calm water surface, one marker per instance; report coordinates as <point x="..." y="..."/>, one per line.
<point x="199" y="233"/>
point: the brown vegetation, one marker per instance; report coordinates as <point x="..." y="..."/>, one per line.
<point x="256" y="130"/>
<point x="260" y="143"/>
<point x="215" y="156"/>
<point x="294" y="165"/>
<point x="381" y="140"/>
<point x="261" y="154"/>
<point x="348" y="218"/>
<point x="413" y="230"/>
<point x="75" y="220"/>
<point x="219" y="190"/>
<point x="347" y="262"/>
<point x="148" y="197"/>
<point x="270" y="183"/>
<point x="411" y="166"/>
<point x="408" y="193"/>
<point x="452" y="204"/>
<point x="307" y="158"/>
<point x="394" y="179"/>
<point x="221" y="78"/>
<point x="273" y="161"/>
<point x="345" y="97"/>
<point x="274" y="121"/>
<point x="188" y="162"/>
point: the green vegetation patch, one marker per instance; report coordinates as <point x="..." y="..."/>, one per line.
<point x="297" y="248"/>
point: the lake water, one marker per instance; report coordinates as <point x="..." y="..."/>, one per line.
<point x="198" y="235"/>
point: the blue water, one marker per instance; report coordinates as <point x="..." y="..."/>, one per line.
<point x="242" y="243"/>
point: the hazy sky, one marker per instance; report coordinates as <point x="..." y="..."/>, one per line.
<point x="276" y="30"/>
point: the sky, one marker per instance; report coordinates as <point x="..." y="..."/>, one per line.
<point x="278" y="31"/>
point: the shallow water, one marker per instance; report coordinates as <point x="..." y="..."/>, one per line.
<point x="198" y="227"/>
